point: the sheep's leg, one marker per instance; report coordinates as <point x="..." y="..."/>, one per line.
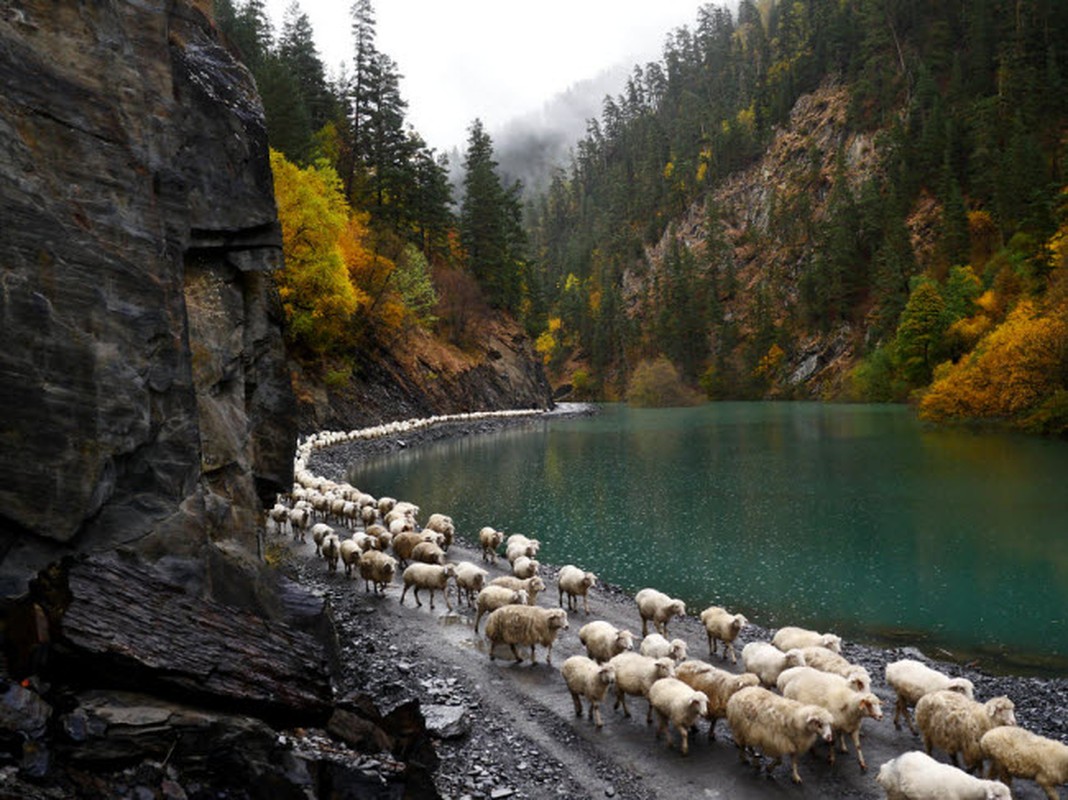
<point x="793" y="763"/>
<point x="734" y="656"/>
<point x="649" y="714"/>
<point x="856" y="746"/>
<point x="711" y="646"/>
<point x="548" y="654"/>
<point x="771" y="765"/>
<point x="596" y="709"/>
<point x="586" y="604"/>
<point x="560" y="597"/>
<point x="1046" y="782"/>
<point x="432" y="598"/>
<point x="578" y="704"/>
<point x="405" y="591"/>
<point x="684" y="739"/>
<point x="621" y="698"/>
<point x="645" y="626"/>
<point x="662" y="728"/>
<point x="478" y="616"/>
<point x="445" y="591"/>
<point x="516" y="654"/>
<point x="712" y="729"/>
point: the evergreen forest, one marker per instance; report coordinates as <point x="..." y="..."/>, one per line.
<point x="843" y="200"/>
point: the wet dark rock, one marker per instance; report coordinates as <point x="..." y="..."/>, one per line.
<point x="359" y="732"/>
<point x="447" y="722"/>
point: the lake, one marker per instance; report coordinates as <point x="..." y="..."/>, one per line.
<point x="852" y="518"/>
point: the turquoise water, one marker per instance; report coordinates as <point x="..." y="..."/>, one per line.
<point x="856" y="519"/>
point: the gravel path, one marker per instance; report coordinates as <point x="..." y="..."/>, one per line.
<point x="524" y="740"/>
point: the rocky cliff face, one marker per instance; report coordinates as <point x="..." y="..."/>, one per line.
<point x="144" y="398"/>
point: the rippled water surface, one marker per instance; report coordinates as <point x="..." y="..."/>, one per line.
<point x="852" y="518"/>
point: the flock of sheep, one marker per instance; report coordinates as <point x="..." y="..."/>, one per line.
<point x="795" y="689"/>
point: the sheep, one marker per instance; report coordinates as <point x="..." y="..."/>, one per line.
<point x="722" y="626"/>
<point x="403" y="544"/>
<point x="493" y="597"/>
<point x="1018" y="753"/>
<point x="525" y="625"/>
<point x="677" y="703"/>
<point x="913" y="679"/>
<point x="490" y="540"/>
<point x="428" y="576"/>
<point x="767" y="661"/>
<point x="350" y="555"/>
<point x="299" y="517"/>
<point x="848" y="707"/>
<point x="717" y="684"/>
<point x="331" y="551"/>
<point x="635" y="673"/>
<point x="586" y="678"/>
<point x="950" y="721"/>
<point x="524" y="567"/>
<point x="532" y="586"/>
<point x="470" y="579"/>
<point x="443" y="525"/>
<point x="385" y="505"/>
<point x="575" y="583"/>
<point x="603" y="640"/>
<point x="518" y="538"/>
<point x="658" y="607"/>
<point x="826" y="661"/>
<point x="384" y="537"/>
<point x="319" y="531"/>
<point x="917" y="776"/>
<point x="777" y="726"/>
<point x="519" y="549"/>
<point x="428" y="553"/>
<point x="793" y="638"/>
<point x="378" y="568"/>
<point x="279" y="515"/>
<point x="656" y="646"/>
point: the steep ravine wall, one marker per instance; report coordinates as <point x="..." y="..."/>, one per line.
<point x="144" y="396"/>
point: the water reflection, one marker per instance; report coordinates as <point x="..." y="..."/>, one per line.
<point x="851" y="517"/>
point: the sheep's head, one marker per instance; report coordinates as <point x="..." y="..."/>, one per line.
<point x="794" y="658"/>
<point x="1001" y="710"/>
<point x="520" y="597"/>
<point x="962" y="686"/>
<point x="859" y="679"/>
<point x="871" y="705"/>
<point x="818" y="721"/>
<point x="558" y="619"/>
<point x="831" y="642"/>
<point x="665" y="668"/>
<point x="607" y="674"/>
<point x="737" y="623"/>
<point x="589" y="580"/>
<point x="677" y="649"/>
<point x="677" y="608"/>
<point x="699" y="703"/>
<point x="624" y="640"/>
<point x="449" y="570"/>
<point x="997" y="791"/>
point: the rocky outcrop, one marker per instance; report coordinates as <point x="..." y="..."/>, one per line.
<point x="427" y="377"/>
<point x="145" y="399"/>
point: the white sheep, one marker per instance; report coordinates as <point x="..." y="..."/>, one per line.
<point x="525" y="625"/>
<point x="766" y="661"/>
<point x="378" y="568"/>
<point x="658" y="607"/>
<point x="519" y="549"/>
<point x="444" y="525"/>
<point x="1018" y="753"/>
<point x="827" y="661"/>
<point x="403" y="544"/>
<point x="524" y="567"/>
<point x="717" y="684"/>
<point x="299" y="521"/>
<point x="794" y="638"/>
<point x="385" y="505"/>
<point x="428" y="553"/>
<point x="722" y="626"/>
<point x="913" y="679"/>
<point x="656" y="646"/>
<point x="848" y="707"/>
<point x="428" y="576"/>
<point x="575" y="583"/>
<point x="331" y="551"/>
<point x="532" y="586"/>
<point x="776" y="726"/>
<point x="350" y="555"/>
<point x="319" y="531"/>
<point x="384" y="537"/>
<point x="493" y="597"/>
<point x="917" y="776"/>
<point x="603" y="640"/>
<point x="586" y="678"/>
<point x="676" y="703"/>
<point x="635" y="673"/>
<point x="951" y="722"/>
<point x="490" y="540"/>
<point x="470" y="578"/>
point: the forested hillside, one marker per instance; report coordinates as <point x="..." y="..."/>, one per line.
<point x="807" y="199"/>
<point x="802" y="188"/>
<point x="384" y="281"/>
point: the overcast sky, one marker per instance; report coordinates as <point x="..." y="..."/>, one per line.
<point x="494" y="59"/>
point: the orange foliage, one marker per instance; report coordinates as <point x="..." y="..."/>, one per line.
<point x="1011" y="372"/>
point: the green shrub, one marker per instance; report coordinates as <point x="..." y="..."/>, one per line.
<point x="657" y="384"/>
